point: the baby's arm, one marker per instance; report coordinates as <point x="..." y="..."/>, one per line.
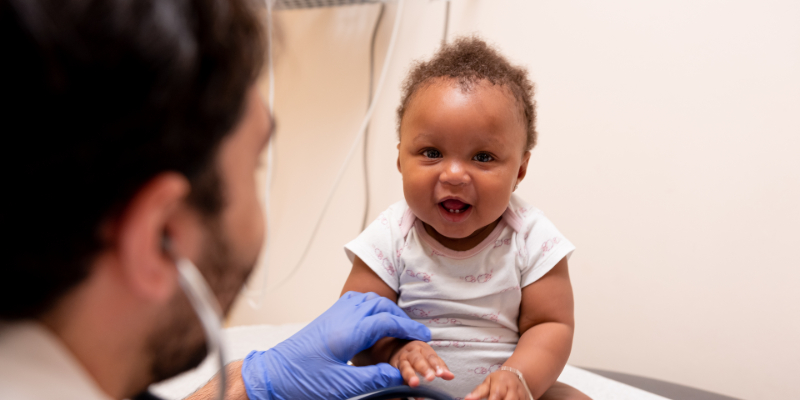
<point x="546" y="324"/>
<point x="408" y="357"/>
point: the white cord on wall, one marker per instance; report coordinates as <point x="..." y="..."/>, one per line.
<point x="370" y="92"/>
<point x="362" y="129"/>
<point x="255" y="297"/>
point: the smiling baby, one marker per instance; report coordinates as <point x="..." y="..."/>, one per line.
<point x="462" y="254"/>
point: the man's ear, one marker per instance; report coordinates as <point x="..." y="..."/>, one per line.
<point x="523" y="167"/>
<point x="158" y="208"/>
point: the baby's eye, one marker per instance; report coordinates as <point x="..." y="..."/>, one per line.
<point x="432" y="153"/>
<point x="483" y="157"/>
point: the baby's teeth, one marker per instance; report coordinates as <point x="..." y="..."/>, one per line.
<point x="451" y="210"/>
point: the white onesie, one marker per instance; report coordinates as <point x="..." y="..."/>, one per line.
<point x="469" y="299"/>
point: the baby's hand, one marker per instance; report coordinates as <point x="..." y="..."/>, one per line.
<point x="416" y="356"/>
<point x="500" y="385"/>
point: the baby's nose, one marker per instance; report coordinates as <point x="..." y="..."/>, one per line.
<point x="454" y="173"/>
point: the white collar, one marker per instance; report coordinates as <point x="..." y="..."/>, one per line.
<point x="34" y="365"/>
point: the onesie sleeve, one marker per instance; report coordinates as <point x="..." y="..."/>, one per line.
<point x="544" y="247"/>
<point x="380" y="245"/>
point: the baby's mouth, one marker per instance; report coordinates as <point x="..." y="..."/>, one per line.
<point x="454" y="206"/>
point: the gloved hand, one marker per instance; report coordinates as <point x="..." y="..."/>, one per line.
<point x="312" y="364"/>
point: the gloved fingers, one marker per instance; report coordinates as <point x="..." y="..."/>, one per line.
<point x="253" y="372"/>
<point x="409" y="373"/>
<point x="371" y="296"/>
<point x="358" y="297"/>
<point x="355" y="297"/>
<point x="379" y="376"/>
<point x="378" y="304"/>
<point x="347" y="295"/>
<point x="384" y="324"/>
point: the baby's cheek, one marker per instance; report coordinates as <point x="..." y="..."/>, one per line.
<point x="418" y="194"/>
<point x="495" y="195"/>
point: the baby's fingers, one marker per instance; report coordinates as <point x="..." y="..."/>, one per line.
<point x="421" y="365"/>
<point x="522" y="394"/>
<point x="408" y="372"/>
<point x="498" y="391"/>
<point x="439" y="366"/>
<point x="480" y="392"/>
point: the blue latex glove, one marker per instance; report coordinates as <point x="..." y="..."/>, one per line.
<point x="312" y="364"/>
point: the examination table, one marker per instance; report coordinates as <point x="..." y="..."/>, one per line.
<point x="241" y="340"/>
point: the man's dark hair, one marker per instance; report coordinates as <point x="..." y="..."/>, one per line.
<point x="99" y="96"/>
<point x="469" y="60"/>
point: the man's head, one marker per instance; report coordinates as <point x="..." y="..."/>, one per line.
<point x="125" y="121"/>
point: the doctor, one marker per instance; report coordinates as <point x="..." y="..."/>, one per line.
<point x="131" y="133"/>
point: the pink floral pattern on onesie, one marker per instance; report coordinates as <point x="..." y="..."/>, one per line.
<point x="400" y="250"/>
<point x="490" y="339"/>
<point x="387" y="265"/>
<point x="419" y="275"/>
<point x="384" y="219"/>
<point x="416" y="312"/>
<point x="482" y="278"/>
<point x="485" y="370"/>
<point x="501" y="242"/>
<point x="489" y="317"/>
<point x="449" y="343"/>
<point x="436" y="253"/>
<point x="444" y="321"/>
<point x="548" y="245"/>
<point x="513" y="288"/>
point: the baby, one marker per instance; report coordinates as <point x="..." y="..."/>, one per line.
<point x="485" y="271"/>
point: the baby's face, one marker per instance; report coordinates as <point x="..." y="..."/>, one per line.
<point x="461" y="155"/>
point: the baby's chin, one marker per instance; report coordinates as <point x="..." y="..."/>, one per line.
<point x="456" y="232"/>
<point x="452" y="234"/>
<point x="451" y="230"/>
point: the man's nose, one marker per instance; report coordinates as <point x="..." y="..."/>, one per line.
<point x="454" y="172"/>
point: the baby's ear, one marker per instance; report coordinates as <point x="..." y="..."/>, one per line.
<point x="398" y="159"/>
<point x="523" y="167"/>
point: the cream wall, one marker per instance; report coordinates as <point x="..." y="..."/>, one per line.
<point x="669" y="154"/>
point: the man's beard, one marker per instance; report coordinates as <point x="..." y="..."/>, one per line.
<point x="179" y="343"/>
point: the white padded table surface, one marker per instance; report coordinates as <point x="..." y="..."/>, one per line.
<point x="241" y="340"/>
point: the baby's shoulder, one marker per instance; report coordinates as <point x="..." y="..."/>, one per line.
<point x="398" y="218"/>
<point x="524" y="217"/>
<point x="539" y="238"/>
<point x="396" y="210"/>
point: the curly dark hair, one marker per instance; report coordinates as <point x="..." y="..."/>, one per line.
<point x="100" y="97"/>
<point x="469" y="60"/>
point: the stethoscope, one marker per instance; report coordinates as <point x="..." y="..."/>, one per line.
<point x="205" y="305"/>
<point x="207" y="308"/>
